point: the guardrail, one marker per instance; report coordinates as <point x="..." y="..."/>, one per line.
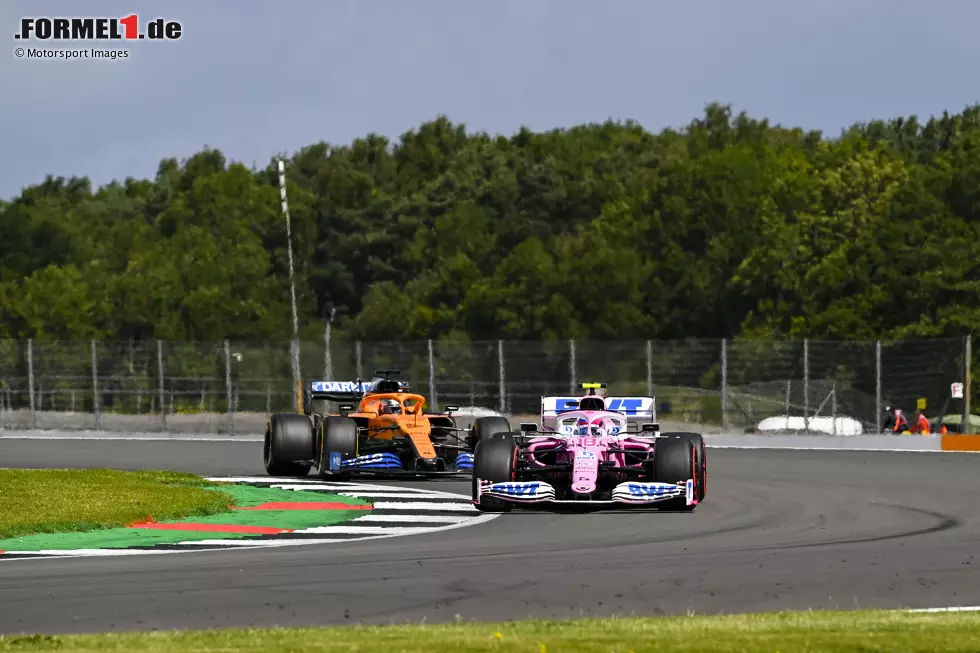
<point x="718" y="385"/>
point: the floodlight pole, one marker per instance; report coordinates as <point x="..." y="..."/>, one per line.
<point x="292" y="288"/>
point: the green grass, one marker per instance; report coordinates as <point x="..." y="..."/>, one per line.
<point x="817" y="632"/>
<point x="71" y="500"/>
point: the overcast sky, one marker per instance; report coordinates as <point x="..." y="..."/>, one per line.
<point x="258" y="78"/>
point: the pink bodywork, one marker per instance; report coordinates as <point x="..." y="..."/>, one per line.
<point x="585" y="452"/>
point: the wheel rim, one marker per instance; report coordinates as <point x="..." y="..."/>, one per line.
<point x="694" y="468"/>
<point x="704" y="470"/>
<point x="267" y="447"/>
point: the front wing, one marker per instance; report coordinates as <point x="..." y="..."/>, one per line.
<point x="630" y="492"/>
<point x="389" y="463"/>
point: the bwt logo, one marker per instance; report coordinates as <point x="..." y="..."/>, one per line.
<point x="97" y="29"/>
<point x="519" y="489"/>
<point x="650" y="490"/>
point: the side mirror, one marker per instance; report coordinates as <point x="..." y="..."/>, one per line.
<point x="528" y="427"/>
<point x="652" y="426"/>
<point x="346" y="408"/>
<point x="452" y="409"/>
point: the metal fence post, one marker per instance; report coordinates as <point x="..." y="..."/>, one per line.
<point x="327" y="358"/>
<point x="833" y="407"/>
<point x="806" y="385"/>
<point x="160" y="389"/>
<point x="432" y="378"/>
<point x="967" y="355"/>
<point x="724" y="384"/>
<point x="357" y="359"/>
<point x="571" y="366"/>
<point x="649" y="368"/>
<point x="297" y="381"/>
<point x="30" y="380"/>
<point x="228" y="388"/>
<point x="500" y="367"/>
<point x="878" y="386"/>
<point x="95" y="388"/>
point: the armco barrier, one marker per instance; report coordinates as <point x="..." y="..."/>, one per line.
<point x="938" y="443"/>
<point x="830" y="442"/>
<point x="957" y="442"/>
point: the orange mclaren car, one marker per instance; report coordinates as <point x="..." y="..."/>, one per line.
<point x="386" y="432"/>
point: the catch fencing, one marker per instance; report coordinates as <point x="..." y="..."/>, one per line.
<point x="232" y="387"/>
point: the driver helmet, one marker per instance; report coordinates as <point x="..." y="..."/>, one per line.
<point x="599" y="428"/>
<point x="593" y="428"/>
<point x="391" y="407"/>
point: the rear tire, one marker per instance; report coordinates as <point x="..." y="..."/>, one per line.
<point x="485" y="427"/>
<point x="337" y="435"/>
<point x="494" y="460"/>
<point x="288" y="440"/>
<point x="676" y="460"/>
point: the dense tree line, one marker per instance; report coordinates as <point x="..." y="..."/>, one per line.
<point x="730" y="226"/>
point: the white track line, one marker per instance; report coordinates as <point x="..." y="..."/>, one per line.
<point x="393" y="495"/>
<point x="246" y="543"/>
<point x="81" y="553"/>
<point x="258" y="479"/>
<point x="381" y="491"/>
<point x="414" y="519"/>
<point x="421" y="505"/>
<point x="969" y="608"/>
<point x="301" y="542"/>
<point x="302" y="483"/>
<point x="365" y="530"/>
<point x="353" y="487"/>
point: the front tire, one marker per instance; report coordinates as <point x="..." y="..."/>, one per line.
<point x="702" y="459"/>
<point x="337" y="435"/>
<point x="675" y="460"/>
<point x="288" y="444"/>
<point x="494" y="460"/>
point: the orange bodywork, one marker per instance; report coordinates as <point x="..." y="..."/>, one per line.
<point x="411" y="423"/>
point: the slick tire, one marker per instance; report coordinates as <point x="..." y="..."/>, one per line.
<point x="337" y="435"/>
<point x="494" y="460"/>
<point x="288" y="445"/>
<point x="486" y="426"/>
<point x="702" y="460"/>
<point x="675" y="460"/>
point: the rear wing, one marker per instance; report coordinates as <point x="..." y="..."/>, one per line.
<point x="338" y="390"/>
<point x="635" y="407"/>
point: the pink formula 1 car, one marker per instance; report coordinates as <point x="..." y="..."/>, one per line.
<point x="587" y="454"/>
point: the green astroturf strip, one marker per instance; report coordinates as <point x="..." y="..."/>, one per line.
<point x="245" y="496"/>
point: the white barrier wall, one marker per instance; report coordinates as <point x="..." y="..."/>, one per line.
<point x="856" y="442"/>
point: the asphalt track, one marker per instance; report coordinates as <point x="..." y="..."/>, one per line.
<point x="779" y="530"/>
